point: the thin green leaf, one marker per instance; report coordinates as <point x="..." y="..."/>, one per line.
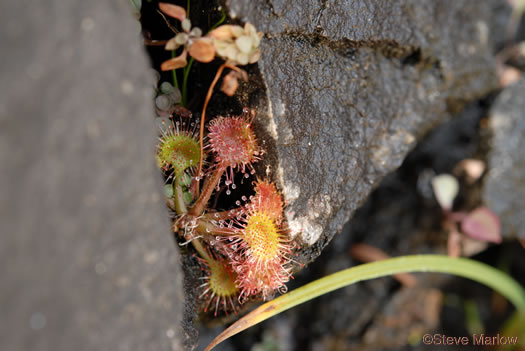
<point x="462" y="267"/>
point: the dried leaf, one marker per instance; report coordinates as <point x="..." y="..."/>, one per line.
<point x="482" y="224"/>
<point x="509" y="75"/>
<point x="223" y="32"/>
<point x="202" y="50"/>
<point x="173" y="11"/>
<point x="445" y="188"/>
<point x="471" y="167"/>
<point x="175" y="63"/>
<point x="230" y="83"/>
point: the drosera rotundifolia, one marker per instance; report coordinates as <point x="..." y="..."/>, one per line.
<point x="245" y="251"/>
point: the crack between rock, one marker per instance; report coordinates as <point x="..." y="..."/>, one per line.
<point x="389" y="48"/>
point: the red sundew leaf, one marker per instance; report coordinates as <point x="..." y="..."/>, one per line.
<point x="173" y="11"/>
<point x="482" y="224"/>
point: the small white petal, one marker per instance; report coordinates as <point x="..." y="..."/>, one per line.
<point x="196" y="32"/>
<point x="231" y="52"/>
<point x="186" y="25"/>
<point x="237" y="31"/>
<point x="244" y="43"/>
<point x="242" y="58"/>
<point x="249" y="29"/>
<point x="255" y="56"/>
<point x="445" y="188"/>
<point x="181" y="38"/>
<point x="171" y="44"/>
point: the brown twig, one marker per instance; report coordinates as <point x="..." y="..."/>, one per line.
<point x="167" y="22"/>
<point x="150" y="42"/>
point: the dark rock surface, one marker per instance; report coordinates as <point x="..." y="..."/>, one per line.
<point x="504" y="190"/>
<point x="87" y="260"/>
<point x="351" y="87"/>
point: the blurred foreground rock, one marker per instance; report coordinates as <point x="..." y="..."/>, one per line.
<point x="87" y="259"/>
<point x="351" y="87"/>
<point x="504" y="190"/>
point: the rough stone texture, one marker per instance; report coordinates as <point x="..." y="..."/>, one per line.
<point x="504" y="190"/>
<point x="87" y="260"/>
<point x="352" y="85"/>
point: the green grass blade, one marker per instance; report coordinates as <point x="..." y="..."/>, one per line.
<point x="462" y="267"/>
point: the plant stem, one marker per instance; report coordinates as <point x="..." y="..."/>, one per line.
<point x="462" y="267"/>
<point x="184" y="91"/>
<point x="206" y="227"/>
<point x="174" y="74"/>
<point x="219" y="22"/>
<point x="180" y="205"/>
<point x="207" y="190"/>
<point x="200" y="249"/>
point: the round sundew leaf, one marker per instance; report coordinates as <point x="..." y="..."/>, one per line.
<point x="179" y="152"/>
<point x="233" y="140"/>
<point x="482" y="224"/>
<point x="445" y="188"/>
<point x="262" y="237"/>
<point x="222" y="279"/>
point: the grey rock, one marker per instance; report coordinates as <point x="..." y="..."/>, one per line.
<point x="87" y="259"/>
<point x="351" y="87"/>
<point x="504" y="189"/>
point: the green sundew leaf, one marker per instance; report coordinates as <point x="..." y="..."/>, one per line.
<point x="462" y="267"/>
